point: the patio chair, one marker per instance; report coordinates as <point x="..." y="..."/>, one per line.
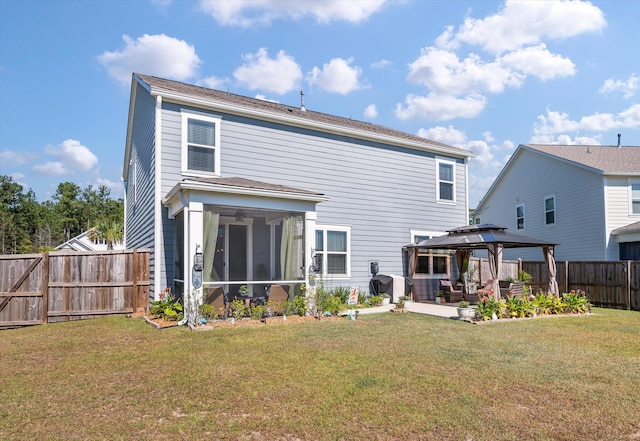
<point x="216" y="297"/>
<point x="514" y="289"/>
<point x="454" y="295"/>
<point x="277" y="296"/>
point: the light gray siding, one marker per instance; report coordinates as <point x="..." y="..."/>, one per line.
<point x="139" y="223"/>
<point x="580" y="218"/>
<point x="617" y="190"/>
<point x="381" y="191"/>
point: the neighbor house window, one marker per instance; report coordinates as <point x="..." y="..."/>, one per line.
<point x="431" y="262"/>
<point x="200" y="144"/>
<point x="520" y="217"/>
<point x="550" y="210"/>
<point x="333" y="251"/>
<point x="446" y="181"/>
<point x="635" y="198"/>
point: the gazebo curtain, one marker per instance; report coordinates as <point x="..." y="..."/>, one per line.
<point x="550" y="260"/>
<point x="495" y="266"/>
<point x="462" y="259"/>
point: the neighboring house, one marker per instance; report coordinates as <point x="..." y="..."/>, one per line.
<point x="585" y="198"/>
<point x="84" y="242"/>
<point x="270" y="193"/>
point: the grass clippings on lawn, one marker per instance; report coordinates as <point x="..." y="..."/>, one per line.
<point x="383" y="376"/>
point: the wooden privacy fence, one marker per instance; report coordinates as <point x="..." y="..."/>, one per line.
<point x="614" y="284"/>
<point x="70" y="285"/>
<point x="609" y="284"/>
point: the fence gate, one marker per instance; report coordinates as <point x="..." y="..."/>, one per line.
<point x="21" y="294"/>
<point x="69" y="285"/>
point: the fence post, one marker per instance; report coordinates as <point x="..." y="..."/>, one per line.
<point x="45" y="288"/>
<point x="628" y="270"/>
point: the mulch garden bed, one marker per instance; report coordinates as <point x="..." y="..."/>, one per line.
<point x="161" y="324"/>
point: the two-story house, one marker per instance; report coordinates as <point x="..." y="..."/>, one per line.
<point x="585" y="198"/>
<point x="258" y="193"/>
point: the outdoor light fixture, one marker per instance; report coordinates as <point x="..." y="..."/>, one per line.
<point x="197" y="268"/>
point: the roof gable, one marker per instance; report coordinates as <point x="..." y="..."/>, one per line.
<point x="604" y="160"/>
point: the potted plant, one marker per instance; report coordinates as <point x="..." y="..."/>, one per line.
<point x="441" y="296"/>
<point x="386" y="298"/>
<point x="405" y="299"/>
<point x="465" y="311"/>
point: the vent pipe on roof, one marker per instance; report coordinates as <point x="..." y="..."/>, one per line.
<point x="302" y="108"/>
<point x="619" y="136"/>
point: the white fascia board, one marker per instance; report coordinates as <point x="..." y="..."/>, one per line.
<point x="244" y="191"/>
<point x="323" y="127"/>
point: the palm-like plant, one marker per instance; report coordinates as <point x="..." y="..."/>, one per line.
<point x="110" y="232"/>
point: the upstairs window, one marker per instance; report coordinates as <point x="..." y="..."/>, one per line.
<point x="520" y="217"/>
<point x="635" y="198"/>
<point x="550" y="210"/>
<point x="446" y="181"/>
<point x="200" y="144"/>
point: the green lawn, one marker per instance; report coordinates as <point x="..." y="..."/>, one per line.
<point x="382" y="377"/>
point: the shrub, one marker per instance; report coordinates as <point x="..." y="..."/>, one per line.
<point x="257" y="312"/>
<point x="237" y="309"/>
<point x="167" y="307"/>
<point x="576" y="302"/>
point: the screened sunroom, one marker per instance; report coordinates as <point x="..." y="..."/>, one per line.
<point x="244" y="233"/>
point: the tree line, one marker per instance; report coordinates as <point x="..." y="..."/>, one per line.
<point x="28" y="226"/>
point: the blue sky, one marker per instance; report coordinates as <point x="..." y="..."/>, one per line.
<point x="481" y="75"/>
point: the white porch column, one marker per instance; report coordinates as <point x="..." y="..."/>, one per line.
<point x="194" y="237"/>
<point x="310" y="219"/>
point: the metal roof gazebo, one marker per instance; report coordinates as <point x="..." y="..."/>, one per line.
<point x="485" y="236"/>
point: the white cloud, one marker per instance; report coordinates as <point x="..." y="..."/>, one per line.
<point x="556" y="122"/>
<point x="443" y="72"/>
<point x="440" y="107"/>
<point x="278" y="75"/>
<point x="539" y="62"/>
<point x="17" y="158"/>
<point x="159" y="55"/>
<point x="380" y="64"/>
<point x="482" y="149"/>
<point x="566" y="140"/>
<point x="628" y="87"/>
<point x="478" y="187"/>
<point x="72" y="157"/>
<point x="50" y="169"/>
<point x="370" y="112"/>
<point x="446" y="75"/>
<point x="264" y="98"/>
<point x="336" y="76"/>
<point x="522" y="23"/>
<point x="246" y="13"/>
<point x="213" y="82"/>
<point x="446" y="135"/>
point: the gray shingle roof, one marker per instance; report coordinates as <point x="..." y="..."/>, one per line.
<point x="236" y="181"/>
<point x="161" y="85"/>
<point x="607" y="159"/>
<point x="631" y="228"/>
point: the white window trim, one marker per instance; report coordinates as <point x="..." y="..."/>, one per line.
<point x="431" y="235"/>
<point x="186" y="116"/>
<point x="342" y="228"/>
<point x="555" y="209"/>
<point x="524" y="217"/>
<point x="632" y="182"/>
<point x="453" y="190"/>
